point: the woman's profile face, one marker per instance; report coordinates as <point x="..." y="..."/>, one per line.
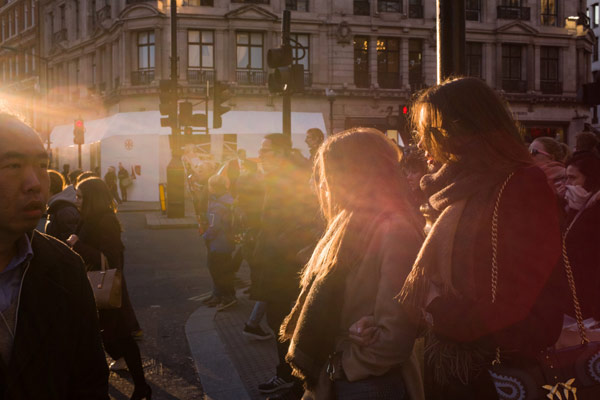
<point x="78" y="199"/>
<point x="574" y="176"/>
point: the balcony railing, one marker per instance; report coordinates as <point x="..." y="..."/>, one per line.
<point x="59" y="36"/>
<point x="249" y="77"/>
<point x="417" y="85"/>
<point x="137" y="1"/>
<point x="251" y="1"/>
<point x="362" y="7"/>
<point x="506" y="12"/>
<point x="388" y="80"/>
<point x="103" y="13"/>
<point x="472" y="15"/>
<point x="142" y="77"/>
<point x="200" y="76"/>
<point x="549" y="19"/>
<point x="514" y="85"/>
<point x="551" y="87"/>
<point x="308" y="79"/>
<point x="415" y="11"/>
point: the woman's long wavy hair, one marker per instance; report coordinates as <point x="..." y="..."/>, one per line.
<point x="463" y="119"/>
<point x="357" y="177"/>
<point x="97" y="198"/>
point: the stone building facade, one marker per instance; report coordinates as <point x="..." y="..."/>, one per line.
<point x="20" y="62"/>
<point x="370" y="56"/>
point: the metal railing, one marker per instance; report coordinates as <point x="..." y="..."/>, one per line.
<point x="388" y="80"/>
<point x="472" y="15"/>
<point x="250" y="77"/>
<point x="514" y="85"/>
<point x="362" y="7"/>
<point x="251" y="1"/>
<point x="137" y="1"/>
<point x="415" y="11"/>
<point x="59" y="36"/>
<point x="142" y="77"/>
<point x="506" y="12"/>
<point x="200" y="75"/>
<point x="551" y="87"/>
<point x="308" y="79"/>
<point x="417" y="85"/>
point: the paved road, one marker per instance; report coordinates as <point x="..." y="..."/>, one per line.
<point x="165" y="270"/>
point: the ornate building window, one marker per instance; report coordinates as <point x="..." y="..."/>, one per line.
<point x="512" y="68"/>
<point x="473" y="10"/>
<point x="201" y="57"/>
<point x="296" y="5"/>
<point x="388" y="63"/>
<point x="548" y="12"/>
<point x="362" y="78"/>
<point x="250" y="55"/>
<point x="415" y="64"/>
<point x="473" y="59"/>
<point x="389" y="6"/>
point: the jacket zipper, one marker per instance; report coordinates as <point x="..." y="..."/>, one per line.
<point x="19" y="298"/>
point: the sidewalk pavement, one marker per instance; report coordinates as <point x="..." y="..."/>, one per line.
<point x="155" y="219"/>
<point x="230" y="366"/>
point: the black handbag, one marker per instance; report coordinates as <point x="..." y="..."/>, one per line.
<point x="571" y="373"/>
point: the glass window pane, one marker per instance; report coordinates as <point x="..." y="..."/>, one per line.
<point x="257" y="38"/>
<point x="151" y="37"/>
<point x="303" y="40"/>
<point x="242" y="38"/>
<point x="142" y="38"/>
<point x="143" y="57"/>
<point x="151" y="61"/>
<point x="194" y="56"/>
<point x="242" y="57"/>
<point x="256" y="57"/>
<point x="207" y="36"/>
<point x="207" y="56"/>
<point x="194" y="36"/>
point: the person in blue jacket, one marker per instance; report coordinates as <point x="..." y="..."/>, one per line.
<point x="219" y="242"/>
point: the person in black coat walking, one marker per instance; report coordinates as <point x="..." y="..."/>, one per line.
<point x="99" y="232"/>
<point x="53" y="350"/>
<point x="63" y="215"/>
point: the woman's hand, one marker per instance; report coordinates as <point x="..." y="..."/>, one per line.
<point x="364" y="332"/>
<point x="72" y="240"/>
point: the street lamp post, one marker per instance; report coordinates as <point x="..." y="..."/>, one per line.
<point x="45" y="60"/>
<point x="330" y="94"/>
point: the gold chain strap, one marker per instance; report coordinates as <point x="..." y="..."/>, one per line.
<point x="578" y="314"/>
<point x="495" y="239"/>
<point x="569" y="271"/>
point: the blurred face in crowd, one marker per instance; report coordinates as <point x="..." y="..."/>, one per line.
<point x="413" y="176"/>
<point x="312" y="140"/>
<point x="78" y="199"/>
<point x="538" y="151"/>
<point x="269" y="158"/>
<point x="24" y="181"/>
<point x="574" y="176"/>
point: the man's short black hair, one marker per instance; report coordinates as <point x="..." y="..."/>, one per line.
<point x="280" y="143"/>
<point x="57" y="182"/>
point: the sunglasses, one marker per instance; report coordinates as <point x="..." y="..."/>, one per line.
<point x="535" y="152"/>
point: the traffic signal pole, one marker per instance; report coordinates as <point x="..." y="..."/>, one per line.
<point x="450" y="38"/>
<point x="175" y="172"/>
<point x="287" y="94"/>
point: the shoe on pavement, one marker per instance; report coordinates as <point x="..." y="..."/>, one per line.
<point x="138" y="334"/>
<point x="292" y="394"/>
<point x="118" y="365"/>
<point x="226" y="303"/>
<point x="212" y="302"/>
<point x="256" y="332"/>
<point x="274" y="384"/>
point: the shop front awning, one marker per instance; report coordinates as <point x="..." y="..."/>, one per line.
<point x="148" y="123"/>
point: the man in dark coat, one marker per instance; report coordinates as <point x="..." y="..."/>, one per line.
<point x="124" y="181"/>
<point x="286" y="227"/>
<point x="54" y="351"/>
<point x="111" y="181"/>
<point x="63" y="215"/>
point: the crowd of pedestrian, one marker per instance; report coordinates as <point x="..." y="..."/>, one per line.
<point x="441" y="270"/>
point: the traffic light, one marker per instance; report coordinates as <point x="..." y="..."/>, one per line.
<point x="168" y="103"/>
<point x="405" y="110"/>
<point x="187" y="116"/>
<point x="221" y="94"/>
<point x="78" y="131"/>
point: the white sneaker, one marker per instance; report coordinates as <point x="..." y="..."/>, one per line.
<point x="118" y="365"/>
